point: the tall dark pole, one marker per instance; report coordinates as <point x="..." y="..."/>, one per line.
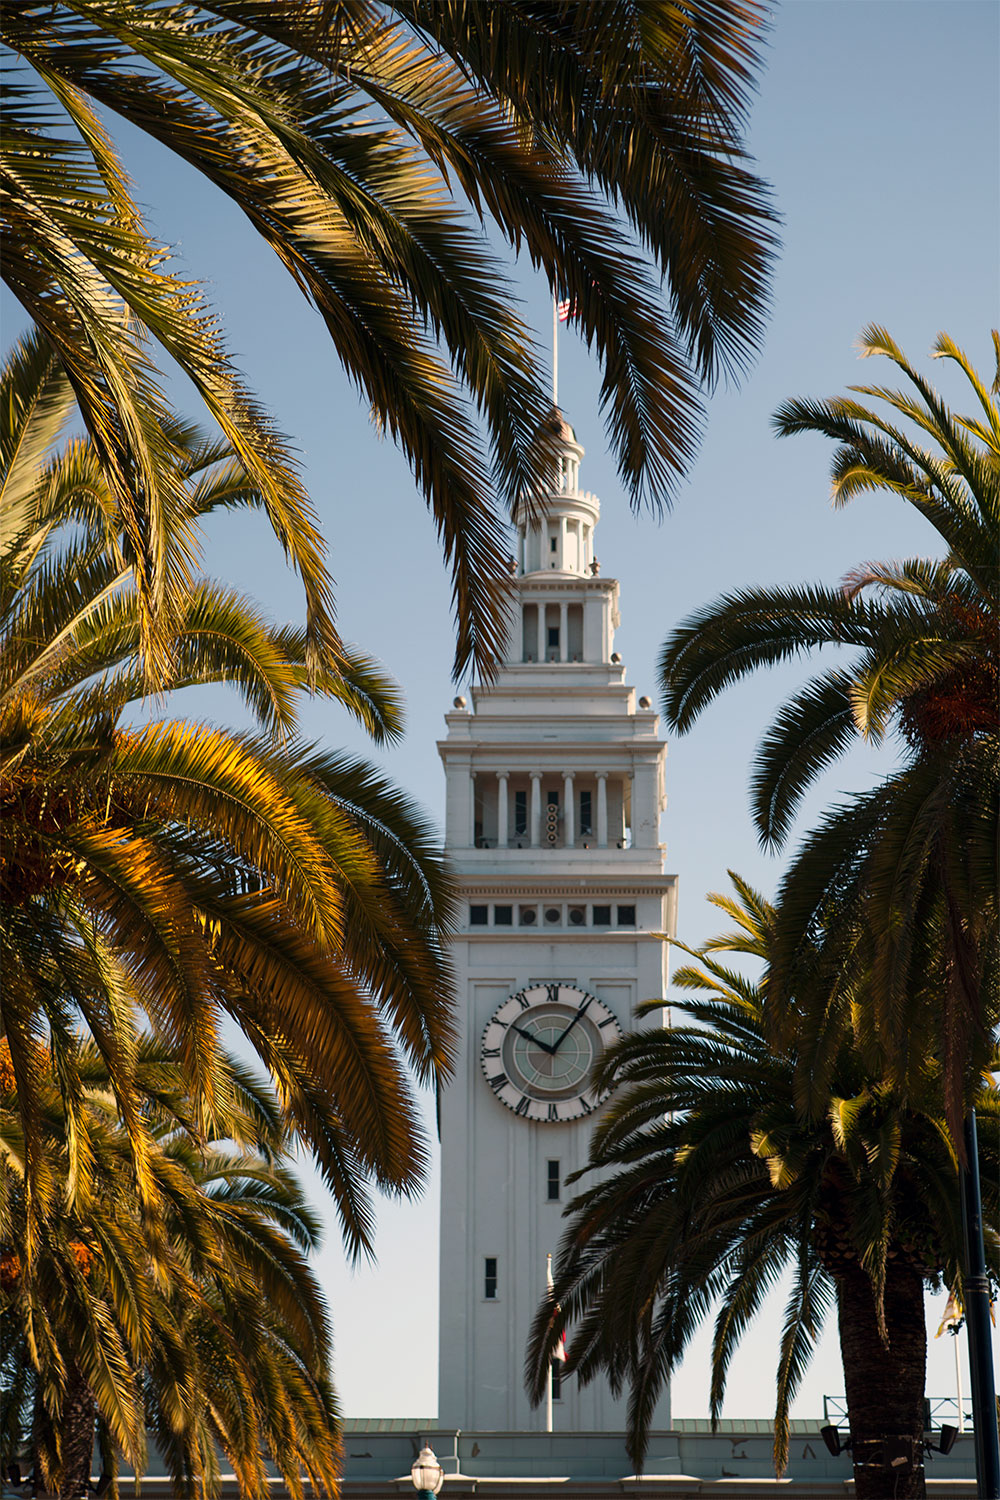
<point x="977" y="1312"/>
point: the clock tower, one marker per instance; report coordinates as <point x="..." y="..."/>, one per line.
<point x="554" y="794"/>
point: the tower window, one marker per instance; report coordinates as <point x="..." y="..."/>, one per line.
<point x="553" y="635"/>
<point x="490" y="1278"/>
<point x="520" y="812"/>
<point x="503" y="916"/>
<point x="479" y="916"/>
<point x="626" y="916"/>
<point x="553" y="543"/>
<point x="557" y="1380"/>
<point x="602" y="916"/>
<point x="552" y="1182"/>
<point x="586" y="813"/>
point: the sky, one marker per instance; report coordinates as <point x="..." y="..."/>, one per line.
<point x="878" y="125"/>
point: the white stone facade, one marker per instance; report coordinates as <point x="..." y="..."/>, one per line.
<point x="555" y="786"/>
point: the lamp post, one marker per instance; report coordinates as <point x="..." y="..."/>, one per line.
<point x="975" y="1287"/>
<point x="427" y="1474"/>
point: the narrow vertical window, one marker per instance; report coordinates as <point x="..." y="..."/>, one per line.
<point x="556" y="1379"/>
<point x="490" y="1278"/>
<point x="520" y="812"/>
<point x="529" y="633"/>
<point x="586" y="814"/>
<point x="552" y="1183"/>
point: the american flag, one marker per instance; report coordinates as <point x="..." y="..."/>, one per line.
<point x="566" y="309"/>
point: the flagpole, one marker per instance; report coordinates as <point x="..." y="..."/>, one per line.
<point x="555" y="364"/>
<point x="548" y="1258"/>
<point x="958" y="1382"/>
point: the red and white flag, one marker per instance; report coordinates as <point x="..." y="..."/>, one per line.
<point x="559" y="1352"/>
<point x="566" y="309"/>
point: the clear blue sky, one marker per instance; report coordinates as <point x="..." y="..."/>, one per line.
<point x="878" y="125"/>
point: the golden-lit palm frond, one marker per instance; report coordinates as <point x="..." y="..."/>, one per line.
<point x="174" y="873"/>
<point x="79" y="259"/>
<point x="370" y="146"/>
<point x="922" y="640"/>
<point x="193" y="1314"/>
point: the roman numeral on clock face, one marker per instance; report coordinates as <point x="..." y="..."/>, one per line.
<point x="497" y="1081"/>
<point x="552" y="994"/>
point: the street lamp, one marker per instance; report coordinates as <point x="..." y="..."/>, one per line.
<point x="427" y="1474"/>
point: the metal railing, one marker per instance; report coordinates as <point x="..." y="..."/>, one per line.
<point x="938" y="1411"/>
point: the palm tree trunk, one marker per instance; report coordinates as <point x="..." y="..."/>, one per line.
<point x="885" y="1381"/>
<point x="79" y="1415"/>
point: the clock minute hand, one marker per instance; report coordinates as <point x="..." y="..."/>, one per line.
<point x="572" y="1023"/>
<point x="536" y="1040"/>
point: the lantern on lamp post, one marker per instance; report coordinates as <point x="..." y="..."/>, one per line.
<point x="427" y="1474"/>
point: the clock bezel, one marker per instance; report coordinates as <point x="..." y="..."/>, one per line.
<point x="543" y="1109"/>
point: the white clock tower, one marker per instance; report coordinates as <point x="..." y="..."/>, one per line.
<point x="554" y="794"/>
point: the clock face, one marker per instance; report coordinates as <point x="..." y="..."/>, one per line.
<point x="539" y="1049"/>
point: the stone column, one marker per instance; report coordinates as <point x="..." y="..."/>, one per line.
<point x="602" y="809"/>
<point x="564" y="632"/>
<point x="472" y="809"/>
<point x="502" y="809"/>
<point x="543" y="649"/>
<point x="569" y="811"/>
<point x="535" y="823"/>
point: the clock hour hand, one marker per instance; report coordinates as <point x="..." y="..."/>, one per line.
<point x="536" y="1040"/>
<point x="572" y="1023"/>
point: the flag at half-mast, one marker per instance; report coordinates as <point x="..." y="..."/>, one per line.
<point x="559" y="1352"/>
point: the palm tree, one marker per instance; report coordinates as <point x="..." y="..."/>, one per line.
<point x="927" y="664"/>
<point x="922" y="846"/>
<point x="714" y="1181"/>
<point x="201" y="1322"/>
<point x="189" y="875"/>
<point x="370" y="145"/>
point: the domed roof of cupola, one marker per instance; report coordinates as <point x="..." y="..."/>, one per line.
<point x="555" y="427"/>
<point x="555" y="435"/>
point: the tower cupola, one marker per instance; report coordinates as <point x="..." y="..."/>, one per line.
<point x="556" y="528"/>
